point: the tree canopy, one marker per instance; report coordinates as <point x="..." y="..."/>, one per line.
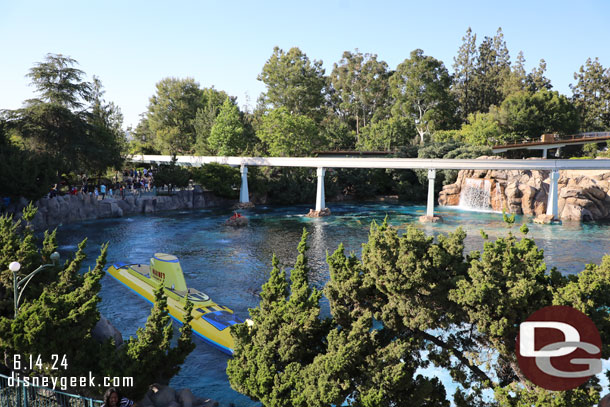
<point x="412" y="301"/>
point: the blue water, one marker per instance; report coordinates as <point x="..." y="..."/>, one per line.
<point x="231" y="264"/>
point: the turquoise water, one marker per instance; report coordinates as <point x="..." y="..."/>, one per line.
<point x="231" y="264"/>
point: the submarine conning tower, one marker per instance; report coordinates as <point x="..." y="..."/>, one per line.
<point x="166" y="268"/>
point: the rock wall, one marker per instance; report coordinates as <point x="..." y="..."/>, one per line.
<point x="583" y="195"/>
<point x="76" y="208"/>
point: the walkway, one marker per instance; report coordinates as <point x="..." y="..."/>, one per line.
<point x="554" y="142"/>
<point x="321" y="163"/>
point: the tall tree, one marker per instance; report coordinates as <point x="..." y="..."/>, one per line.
<point x="492" y="70"/>
<point x="205" y="118"/>
<point x="58" y="82"/>
<point x="171" y="114"/>
<point x="361" y="85"/>
<point x="536" y="80"/>
<point x="79" y="136"/>
<point x="464" y="66"/>
<point x="227" y="134"/>
<point x="591" y="95"/>
<point x="420" y="88"/>
<point x="287" y="134"/>
<point x="293" y="82"/>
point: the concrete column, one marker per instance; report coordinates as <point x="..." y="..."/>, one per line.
<point x="544" y="153"/>
<point x="431" y="177"/>
<point x="244" y="197"/>
<point x="320" y="203"/>
<point x="551" y="206"/>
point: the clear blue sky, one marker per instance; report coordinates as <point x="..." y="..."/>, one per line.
<point x="131" y="45"/>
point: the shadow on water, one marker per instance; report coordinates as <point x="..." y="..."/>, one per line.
<point x="230" y="264"/>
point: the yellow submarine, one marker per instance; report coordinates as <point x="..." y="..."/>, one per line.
<point x="211" y="321"/>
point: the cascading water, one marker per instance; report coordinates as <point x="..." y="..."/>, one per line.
<point x="476" y="194"/>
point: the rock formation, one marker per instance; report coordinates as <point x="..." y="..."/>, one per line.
<point x="583" y="195"/>
<point x="76" y="208"/>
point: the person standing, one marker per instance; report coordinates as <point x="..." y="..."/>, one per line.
<point x="103" y="191"/>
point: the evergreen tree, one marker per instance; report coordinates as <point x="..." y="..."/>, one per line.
<point x="464" y="66"/>
<point x="591" y="94"/>
<point x="59" y="310"/>
<point x="411" y="293"/>
<point x="227" y="133"/>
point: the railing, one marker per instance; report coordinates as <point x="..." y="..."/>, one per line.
<point x="20" y="394"/>
<point x="601" y="135"/>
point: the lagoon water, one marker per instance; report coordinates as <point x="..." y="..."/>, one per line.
<point x="230" y="264"/>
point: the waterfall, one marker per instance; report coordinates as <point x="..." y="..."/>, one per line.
<point x="476" y="194"/>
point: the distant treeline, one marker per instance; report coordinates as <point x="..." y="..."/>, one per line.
<point x="417" y="109"/>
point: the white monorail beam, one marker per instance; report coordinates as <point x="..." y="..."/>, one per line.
<point x="396" y="163"/>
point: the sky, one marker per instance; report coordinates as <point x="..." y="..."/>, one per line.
<point x="131" y="45"/>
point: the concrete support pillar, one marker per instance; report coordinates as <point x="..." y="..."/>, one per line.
<point x="544" y="152"/>
<point x="430" y="207"/>
<point x="244" y="196"/>
<point x="551" y="206"/>
<point x="320" y="202"/>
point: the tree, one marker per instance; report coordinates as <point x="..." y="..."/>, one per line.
<point x="591" y="94"/>
<point x="58" y="82"/>
<point x="59" y="124"/>
<point x="492" y="70"/>
<point x="293" y="82"/>
<point x="464" y="65"/>
<point x="387" y="135"/>
<point x="420" y="88"/>
<point x="171" y="114"/>
<point x="205" y="118"/>
<point x="59" y="311"/>
<point x="407" y="294"/>
<point x="286" y="334"/>
<point x="227" y="134"/>
<point x="528" y="116"/>
<point x="287" y="134"/>
<point x="150" y="357"/>
<point x="360" y="84"/>
<point x="536" y="80"/>
<point x="171" y="175"/>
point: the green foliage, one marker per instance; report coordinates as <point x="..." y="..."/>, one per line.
<point x="288" y="134"/>
<point x="530" y="115"/>
<point x="227" y="133"/>
<point x="387" y="135"/>
<point x="411" y="293"/>
<point x="360" y="89"/>
<point x="172" y="175"/>
<point x="59" y="310"/>
<point x="591" y="94"/>
<point x="171" y="115"/>
<point x="218" y="178"/>
<point x="420" y="88"/>
<point x="205" y="118"/>
<point x="59" y="83"/>
<point x="150" y="358"/>
<point x="293" y="82"/>
<point x="59" y="125"/>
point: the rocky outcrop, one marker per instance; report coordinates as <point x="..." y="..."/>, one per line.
<point x="318" y="214"/>
<point x="582" y="195"/>
<point x="76" y="208"/>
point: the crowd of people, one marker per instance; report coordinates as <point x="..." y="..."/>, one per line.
<point x="130" y="181"/>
